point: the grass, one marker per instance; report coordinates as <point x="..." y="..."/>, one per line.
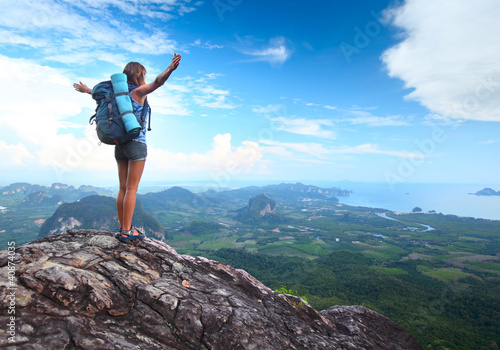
<point x="445" y="274"/>
<point x="492" y="266"/>
<point x="384" y="250"/>
<point x="312" y="249"/>
<point x="389" y="270"/>
<point x="282" y="250"/>
<point x="219" y="243"/>
<point x="473" y="239"/>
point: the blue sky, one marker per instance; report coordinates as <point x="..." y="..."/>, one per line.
<point x="366" y="91"/>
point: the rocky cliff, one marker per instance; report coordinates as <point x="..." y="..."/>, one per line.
<point x="258" y="207"/>
<point x="86" y="290"/>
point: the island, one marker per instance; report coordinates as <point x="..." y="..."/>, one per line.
<point x="487" y="192"/>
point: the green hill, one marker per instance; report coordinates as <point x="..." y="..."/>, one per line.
<point x="96" y="212"/>
<point x="175" y="198"/>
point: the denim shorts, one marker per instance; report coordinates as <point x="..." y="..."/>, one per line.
<point x="132" y="150"/>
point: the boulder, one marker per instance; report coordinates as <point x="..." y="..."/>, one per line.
<point x="84" y="289"/>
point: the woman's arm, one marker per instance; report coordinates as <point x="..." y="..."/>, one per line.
<point x="82" y="88"/>
<point x="139" y="94"/>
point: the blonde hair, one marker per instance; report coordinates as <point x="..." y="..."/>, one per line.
<point x="136" y="73"/>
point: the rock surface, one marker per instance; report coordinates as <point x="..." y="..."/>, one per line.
<point x="86" y="290"/>
<point x="258" y="207"/>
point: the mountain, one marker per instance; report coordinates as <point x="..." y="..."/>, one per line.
<point x="86" y="290"/>
<point x="174" y="198"/>
<point x="487" y="192"/>
<point x="284" y="192"/>
<point x="309" y="189"/>
<point x="96" y="212"/>
<point x="259" y="207"/>
<point x="68" y="193"/>
<point x="39" y="198"/>
<point x="21" y="188"/>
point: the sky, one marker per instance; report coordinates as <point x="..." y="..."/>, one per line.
<point x="268" y="91"/>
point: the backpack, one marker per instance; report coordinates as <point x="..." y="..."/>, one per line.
<point x="109" y="125"/>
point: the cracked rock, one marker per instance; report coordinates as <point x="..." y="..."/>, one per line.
<point x="86" y="290"/>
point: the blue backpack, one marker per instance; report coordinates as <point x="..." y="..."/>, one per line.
<point x="109" y="124"/>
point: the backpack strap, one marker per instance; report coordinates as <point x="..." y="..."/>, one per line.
<point x="145" y="108"/>
<point x="110" y="106"/>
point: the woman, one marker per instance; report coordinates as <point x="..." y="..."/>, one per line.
<point x="131" y="156"/>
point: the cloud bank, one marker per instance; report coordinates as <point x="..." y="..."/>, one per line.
<point x="450" y="60"/>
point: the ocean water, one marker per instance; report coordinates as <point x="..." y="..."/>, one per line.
<point x="443" y="198"/>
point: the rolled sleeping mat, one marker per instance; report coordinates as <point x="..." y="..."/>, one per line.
<point x="120" y="87"/>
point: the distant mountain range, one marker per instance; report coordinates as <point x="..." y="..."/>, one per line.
<point x="61" y="192"/>
<point x="93" y="208"/>
<point x="176" y="198"/>
<point x="283" y="192"/>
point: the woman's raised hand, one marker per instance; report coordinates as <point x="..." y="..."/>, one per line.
<point x="175" y="61"/>
<point x="81" y="87"/>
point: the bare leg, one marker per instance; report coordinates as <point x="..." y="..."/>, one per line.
<point x="134" y="174"/>
<point x="122" y="176"/>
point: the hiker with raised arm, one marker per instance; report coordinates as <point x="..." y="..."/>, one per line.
<point x="131" y="154"/>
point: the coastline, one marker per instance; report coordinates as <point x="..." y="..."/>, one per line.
<point x="447" y="199"/>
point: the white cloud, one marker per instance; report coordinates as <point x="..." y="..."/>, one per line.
<point x="161" y="9"/>
<point x="38" y="117"/>
<point x="309" y="104"/>
<point x="36" y="98"/>
<point x="82" y="58"/>
<point x="43" y="121"/>
<point x="59" y="29"/>
<point x="488" y="142"/>
<point x="206" y="45"/>
<point x="276" y="52"/>
<point x="67" y="153"/>
<point x="169" y="101"/>
<point x="449" y="56"/>
<point x="207" y="95"/>
<point x="275" y="109"/>
<point x="7" y="37"/>
<point x="221" y="157"/>
<point x="287" y="148"/>
<point x="215" y="102"/>
<point x="13" y="154"/>
<point x="358" y="117"/>
<point x="331" y="107"/>
<point x="373" y="149"/>
<point x="317" y="150"/>
<point x="302" y="126"/>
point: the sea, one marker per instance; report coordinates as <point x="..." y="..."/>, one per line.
<point x="456" y="199"/>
